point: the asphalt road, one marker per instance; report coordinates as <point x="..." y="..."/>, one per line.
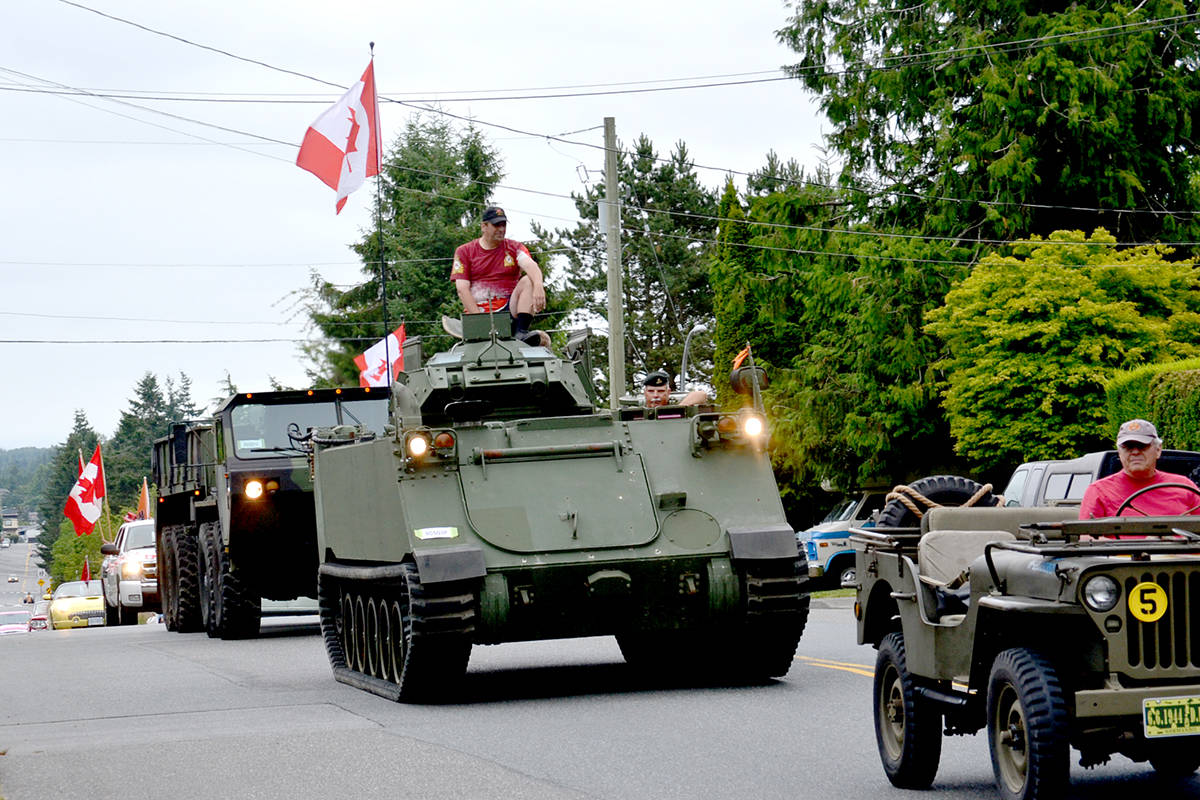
<point x="138" y="711"/>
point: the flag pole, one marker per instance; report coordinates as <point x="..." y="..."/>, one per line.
<point x="387" y="330"/>
<point x="104" y="515"/>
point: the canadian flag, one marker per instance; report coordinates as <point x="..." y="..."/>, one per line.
<point x="85" y="574"/>
<point x="373" y="364"/>
<point x="342" y="146"/>
<point x="87" y="496"/>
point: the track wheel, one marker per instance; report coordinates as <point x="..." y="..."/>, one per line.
<point x="1027" y="727"/>
<point x="908" y="729"/>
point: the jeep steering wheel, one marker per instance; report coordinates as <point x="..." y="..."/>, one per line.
<point x="1128" y="503"/>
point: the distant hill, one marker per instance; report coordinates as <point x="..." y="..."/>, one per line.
<point x="22" y="478"/>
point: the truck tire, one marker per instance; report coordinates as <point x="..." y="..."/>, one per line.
<point x="166" y="577"/>
<point x="187" y="580"/>
<point x="210" y="571"/>
<point x="908" y="729"/>
<point x="1028" y="722"/>
<point x="110" y="613"/>
<point x="241" y="607"/>
<point x="946" y="490"/>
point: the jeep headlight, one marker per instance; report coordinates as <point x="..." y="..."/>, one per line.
<point x="1101" y="593"/>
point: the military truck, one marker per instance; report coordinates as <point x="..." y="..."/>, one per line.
<point x="235" y="521"/>
<point x="507" y="506"/>
<point x="1049" y="631"/>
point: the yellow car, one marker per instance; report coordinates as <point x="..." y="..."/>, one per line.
<point x="77" y="604"/>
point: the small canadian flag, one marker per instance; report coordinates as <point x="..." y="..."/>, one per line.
<point x="373" y="364"/>
<point x="342" y="146"/>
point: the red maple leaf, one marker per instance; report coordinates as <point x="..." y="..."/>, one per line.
<point x="88" y="495"/>
<point x="352" y="139"/>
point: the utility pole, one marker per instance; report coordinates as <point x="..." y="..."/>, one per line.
<point x="616" y="314"/>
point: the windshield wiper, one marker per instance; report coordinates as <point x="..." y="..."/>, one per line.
<point x="276" y="450"/>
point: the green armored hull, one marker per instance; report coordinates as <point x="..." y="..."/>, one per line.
<point x="506" y="507"/>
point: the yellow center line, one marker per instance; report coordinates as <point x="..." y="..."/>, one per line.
<point x="857" y="669"/>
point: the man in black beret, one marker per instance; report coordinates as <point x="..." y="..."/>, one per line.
<point x="656" y="391"/>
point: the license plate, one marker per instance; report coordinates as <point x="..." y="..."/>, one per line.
<point x="95" y="621"/>
<point x="1171" y="716"/>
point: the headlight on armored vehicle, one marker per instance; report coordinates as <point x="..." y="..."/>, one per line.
<point x="1101" y="593"/>
<point x="752" y="425"/>
<point x="254" y="489"/>
<point x="417" y="446"/>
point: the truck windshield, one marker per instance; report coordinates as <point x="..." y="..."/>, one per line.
<point x="260" y="430"/>
<point x="139" y="536"/>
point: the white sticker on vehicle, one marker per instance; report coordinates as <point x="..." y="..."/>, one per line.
<point x="446" y="532"/>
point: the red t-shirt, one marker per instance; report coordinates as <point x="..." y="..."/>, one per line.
<point x="1103" y="497"/>
<point x="493" y="273"/>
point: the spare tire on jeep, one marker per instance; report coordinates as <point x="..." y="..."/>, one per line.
<point x="930" y="492"/>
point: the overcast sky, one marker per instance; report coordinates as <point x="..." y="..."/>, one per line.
<point x="120" y="224"/>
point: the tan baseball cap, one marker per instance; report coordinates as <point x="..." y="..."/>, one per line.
<point x="1136" y="430"/>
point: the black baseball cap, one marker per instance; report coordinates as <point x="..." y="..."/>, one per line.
<point x="494" y="214"/>
<point x="657" y="378"/>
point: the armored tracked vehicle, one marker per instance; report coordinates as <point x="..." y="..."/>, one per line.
<point x="1050" y="632"/>
<point x="235" y="520"/>
<point x="506" y="506"/>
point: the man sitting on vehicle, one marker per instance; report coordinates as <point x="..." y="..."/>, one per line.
<point x="1139" y="447"/>
<point x="487" y="274"/>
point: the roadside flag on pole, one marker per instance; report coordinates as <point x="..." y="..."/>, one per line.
<point x="85" y="574"/>
<point x="373" y="364"/>
<point x="86" y="499"/>
<point x="342" y="146"/>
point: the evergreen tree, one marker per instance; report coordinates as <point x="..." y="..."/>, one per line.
<point x="668" y="227"/>
<point x="150" y="413"/>
<point x="1003" y="120"/>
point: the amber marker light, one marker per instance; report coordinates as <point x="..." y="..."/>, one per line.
<point x="727" y="425"/>
<point x="443" y="440"/>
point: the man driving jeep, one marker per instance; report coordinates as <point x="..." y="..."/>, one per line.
<point x="1139" y="447"/>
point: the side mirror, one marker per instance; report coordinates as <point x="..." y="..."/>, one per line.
<point x="109" y="549"/>
<point x="742" y="379"/>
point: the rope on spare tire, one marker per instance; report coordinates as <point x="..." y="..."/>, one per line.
<point x="909" y="497"/>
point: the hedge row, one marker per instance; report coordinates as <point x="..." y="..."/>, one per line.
<point x="1166" y="394"/>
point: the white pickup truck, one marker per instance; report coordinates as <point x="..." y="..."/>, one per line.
<point x="130" y="573"/>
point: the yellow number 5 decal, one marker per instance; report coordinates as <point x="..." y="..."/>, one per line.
<point x="1148" y="602"/>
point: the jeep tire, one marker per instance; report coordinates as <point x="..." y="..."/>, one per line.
<point x="908" y="728"/>
<point x="1027" y="721"/>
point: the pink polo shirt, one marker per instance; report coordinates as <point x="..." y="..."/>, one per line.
<point x="1103" y="497"/>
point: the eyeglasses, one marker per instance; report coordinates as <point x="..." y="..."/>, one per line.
<point x="1136" y="445"/>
